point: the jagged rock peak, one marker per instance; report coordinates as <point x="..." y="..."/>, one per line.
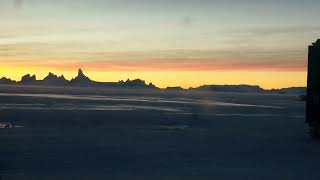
<point x="5" y="80"/>
<point x="80" y="73"/>
<point x="62" y="77"/>
<point x="54" y="78"/>
<point x="28" y="78"/>
<point x="52" y="75"/>
<point x="81" y="78"/>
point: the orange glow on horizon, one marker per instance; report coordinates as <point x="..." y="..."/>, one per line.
<point x="163" y="64"/>
<point x="267" y="79"/>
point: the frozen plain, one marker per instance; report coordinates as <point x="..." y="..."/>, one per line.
<point x="129" y="134"/>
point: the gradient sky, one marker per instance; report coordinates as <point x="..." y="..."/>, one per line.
<point x="167" y="42"/>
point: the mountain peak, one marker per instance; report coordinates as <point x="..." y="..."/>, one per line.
<point x="81" y="75"/>
<point x="62" y="77"/>
<point x="53" y="79"/>
<point x="80" y="72"/>
<point x="51" y="76"/>
<point x="81" y="78"/>
<point x="28" y="78"/>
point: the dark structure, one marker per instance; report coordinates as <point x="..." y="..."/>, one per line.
<point x="313" y="90"/>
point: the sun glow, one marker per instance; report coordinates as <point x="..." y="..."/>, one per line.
<point x="164" y="78"/>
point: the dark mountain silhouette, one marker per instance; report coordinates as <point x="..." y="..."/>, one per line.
<point x="230" y="88"/>
<point x="6" y="81"/>
<point x="52" y="79"/>
<point x="250" y="89"/>
<point x="81" y="80"/>
<point x="135" y="83"/>
<point x="28" y="79"/>
<point x="176" y="88"/>
<point x="291" y="90"/>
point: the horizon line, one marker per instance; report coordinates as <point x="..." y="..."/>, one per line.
<point x="128" y="79"/>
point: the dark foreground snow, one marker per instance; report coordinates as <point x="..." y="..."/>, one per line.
<point x="156" y="136"/>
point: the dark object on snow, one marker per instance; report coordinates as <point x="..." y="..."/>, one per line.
<point x="6" y="125"/>
<point x="313" y="90"/>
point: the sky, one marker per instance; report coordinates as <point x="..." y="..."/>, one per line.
<point x="184" y="43"/>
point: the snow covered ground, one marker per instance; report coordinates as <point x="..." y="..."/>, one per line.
<point x="159" y="135"/>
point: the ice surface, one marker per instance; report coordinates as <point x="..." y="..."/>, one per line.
<point x="156" y="136"/>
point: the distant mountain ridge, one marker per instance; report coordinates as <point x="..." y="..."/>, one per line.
<point x="81" y="80"/>
<point x="251" y="89"/>
<point x="231" y="88"/>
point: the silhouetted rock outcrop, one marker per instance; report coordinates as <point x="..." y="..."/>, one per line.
<point x="52" y="79"/>
<point x="291" y="90"/>
<point x="6" y="81"/>
<point x="136" y="83"/>
<point x="28" y="79"/>
<point x="152" y="85"/>
<point x="177" y="88"/>
<point x="230" y="88"/>
<point x="81" y="79"/>
<point x="250" y="89"/>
